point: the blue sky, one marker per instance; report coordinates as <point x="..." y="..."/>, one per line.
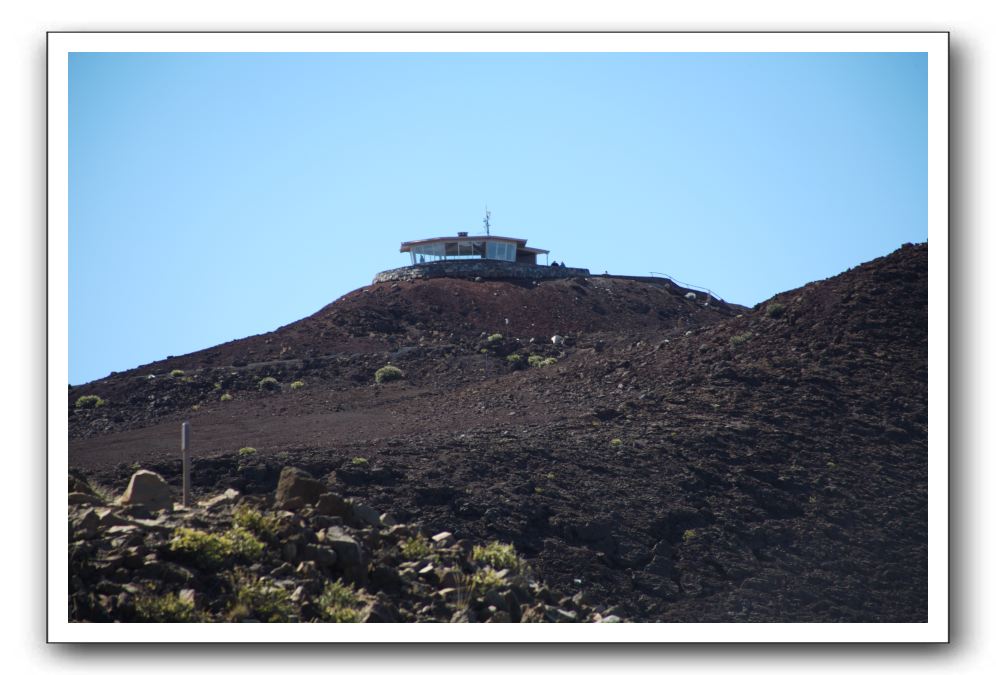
<point x="215" y="196"/>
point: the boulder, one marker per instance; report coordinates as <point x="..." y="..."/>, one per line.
<point x="346" y="548"/>
<point x="85" y="526"/>
<point x="443" y="538"/>
<point x="296" y="482"/>
<point x="557" y="340"/>
<point x="331" y="504"/>
<point x="149" y="489"/>
<point x="323" y="555"/>
<point x="366" y="514"/>
<point x="78" y="498"/>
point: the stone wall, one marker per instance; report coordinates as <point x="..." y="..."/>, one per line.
<point x="485" y="269"/>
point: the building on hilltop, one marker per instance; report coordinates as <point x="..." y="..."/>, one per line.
<point x="464" y="247"/>
<point x="484" y="256"/>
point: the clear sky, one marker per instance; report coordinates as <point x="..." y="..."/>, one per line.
<point x="216" y="196"/>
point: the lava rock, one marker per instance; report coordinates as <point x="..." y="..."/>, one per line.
<point x="148" y="489"/>
<point x="297" y="483"/>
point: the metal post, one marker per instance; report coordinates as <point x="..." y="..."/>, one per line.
<point x="185" y="453"/>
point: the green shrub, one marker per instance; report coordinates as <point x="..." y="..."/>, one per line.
<point x="339" y="603"/>
<point x="513" y="358"/>
<point x="296" y="384"/>
<point x="176" y="372"/>
<point x="415" y="548"/>
<point x="169" y="608"/>
<point x="263" y="526"/>
<point x="226" y="397"/>
<point x="738" y="340"/>
<point x="359" y="461"/>
<point x="689" y="535"/>
<point x="217" y="386"/>
<point x="775" y="310"/>
<point x="495" y="337"/>
<point x="615" y="442"/>
<point x="247" y="451"/>
<point x="498" y="556"/>
<point x="263" y="601"/>
<point x="268" y="384"/>
<point x="482" y="581"/>
<point x="90" y="401"/>
<point x="538" y="361"/>
<point x="388" y="373"/>
<point x="213" y="551"/>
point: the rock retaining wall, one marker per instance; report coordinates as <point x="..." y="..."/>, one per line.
<point x="485" y="269"/>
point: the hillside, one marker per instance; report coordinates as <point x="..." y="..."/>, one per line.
<point x="679" y="461"/>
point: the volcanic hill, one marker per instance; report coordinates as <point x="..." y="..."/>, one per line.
<point x="674" y="456"/>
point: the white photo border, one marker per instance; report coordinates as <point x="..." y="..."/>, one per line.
<point x="934" y="44"/>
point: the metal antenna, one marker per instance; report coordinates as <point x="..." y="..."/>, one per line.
<point x="487" y="220"/>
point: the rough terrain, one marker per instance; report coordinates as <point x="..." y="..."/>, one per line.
<point x="679" y="460"/>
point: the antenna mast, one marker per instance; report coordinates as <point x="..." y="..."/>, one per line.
<point x="487" y="220"/>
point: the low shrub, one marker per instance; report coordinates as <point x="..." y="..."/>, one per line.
<point x="90" y="401"/>
<point x="775" y="310"/>
<point x="258" y="599"/>
<point x="415" y="548"/>
<point x="260" y="524"/>
<point x="689" y="535"/>
<point x="497" y="555"/>
<point x="296" y="384"/>
<point x="615" y="442"/>
<point x="226" y="397"/>
<point x="388" y="373"/>
<point x="495" y="337"/>
<point x="169" y="608"/>
<point x="537" y="361"/>
<point x="513" y="358"/>
<point x="482" y="581"/>
<point x="247" y="451"/>
<point x="359" y="461"/>
<point x="339" y="603"/>
<point x="268" y="384"/>
<point x="213" y="551"/>
<point x="176" y="372"/>
<point x="738" y="340"/>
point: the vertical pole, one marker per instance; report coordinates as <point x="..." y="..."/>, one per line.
<point x="185" y="453"/>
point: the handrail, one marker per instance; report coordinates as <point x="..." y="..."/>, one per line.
<point x="684" y="285"/>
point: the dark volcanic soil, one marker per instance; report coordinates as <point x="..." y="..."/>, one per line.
<point x="688" y="462"/>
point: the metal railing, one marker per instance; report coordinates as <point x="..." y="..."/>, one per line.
<point x="711" y="295"/>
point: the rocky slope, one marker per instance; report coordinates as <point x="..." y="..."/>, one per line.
<point x="686" y="463"/>
<point x="302" y="554"/>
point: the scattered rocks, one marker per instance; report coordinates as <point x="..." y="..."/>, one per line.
<point x="128" y="569"/>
